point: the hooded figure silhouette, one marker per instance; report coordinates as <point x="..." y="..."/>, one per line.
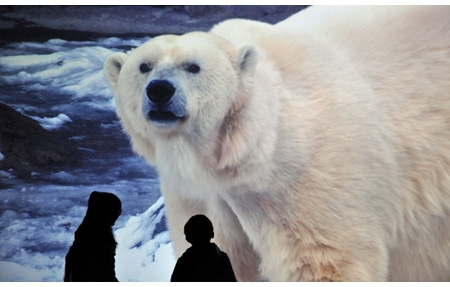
<point x="91" y="257"/>
<point x="204" y="261"/>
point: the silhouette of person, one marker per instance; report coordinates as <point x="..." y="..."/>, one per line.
<point x="203" y="261"/>
<point x="91" y="256"/>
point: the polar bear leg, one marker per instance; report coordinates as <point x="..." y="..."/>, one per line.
<point x="232" y="239"/>
<point x="178" y="212"/>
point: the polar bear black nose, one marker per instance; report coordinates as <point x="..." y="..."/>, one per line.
<point x="160" y="91"/>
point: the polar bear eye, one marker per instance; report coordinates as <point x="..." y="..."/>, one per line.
<point x="144" y="68"/>
<point x="192" y="68"/>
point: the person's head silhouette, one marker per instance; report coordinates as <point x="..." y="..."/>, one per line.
<point x="103" y="208"/>
<point x="199" y="230"/>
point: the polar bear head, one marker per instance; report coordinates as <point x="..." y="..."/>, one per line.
<point x="187" y="86"/>
<point x="172" y="80"/>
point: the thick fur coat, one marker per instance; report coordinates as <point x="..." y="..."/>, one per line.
<point x="319" y="147"/>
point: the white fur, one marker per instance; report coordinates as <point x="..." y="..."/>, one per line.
<point x="319" y="147"/>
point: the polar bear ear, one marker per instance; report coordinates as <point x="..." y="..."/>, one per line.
<point x="112" y="67"/>
<point x="246" y="60"/>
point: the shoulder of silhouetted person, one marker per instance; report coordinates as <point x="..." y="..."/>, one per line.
<point x="204" y="263"/>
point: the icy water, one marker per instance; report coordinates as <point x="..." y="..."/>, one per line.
<point x="61" y="85"/>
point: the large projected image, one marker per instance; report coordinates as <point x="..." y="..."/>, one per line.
<point x="225" y="143"/>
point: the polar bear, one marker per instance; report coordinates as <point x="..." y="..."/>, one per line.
<point x="319" y="147"/>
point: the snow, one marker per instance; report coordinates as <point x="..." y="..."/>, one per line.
<point x="152" y="254"/>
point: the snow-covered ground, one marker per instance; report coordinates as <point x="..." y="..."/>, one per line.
<point x="61" y="83"/>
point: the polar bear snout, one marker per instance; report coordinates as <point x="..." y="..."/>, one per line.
<point x="160" y="91"/>
<point x="163" y="104"/>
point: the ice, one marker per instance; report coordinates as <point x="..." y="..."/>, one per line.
<point x="2" y="157"/>
<point x="19" y="63"/>
<point x="75" y="71"/>
<point x="52" y="123"/>
<point x="10" y="271"/>
<point x="71" y="70"/>
<point x="6" y="175"/>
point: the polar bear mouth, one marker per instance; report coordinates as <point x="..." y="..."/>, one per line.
<point x="163" y="116"/>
